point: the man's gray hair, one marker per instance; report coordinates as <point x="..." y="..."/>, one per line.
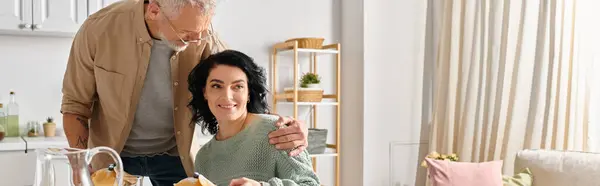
<point x="174" y="6"/>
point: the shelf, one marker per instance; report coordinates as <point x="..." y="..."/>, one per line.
<point x="289" y="47"/>
<point x="291" y="95"/>
<point x="287" y="97"/>
<point x="326" y="154"/>
<point x="307" y="103"/>
<point x="310" y="50"/>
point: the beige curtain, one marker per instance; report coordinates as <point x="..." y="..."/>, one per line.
<point x="511" y="75"/>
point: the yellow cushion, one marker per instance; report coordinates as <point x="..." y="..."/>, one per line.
<point x="524" y="178"/>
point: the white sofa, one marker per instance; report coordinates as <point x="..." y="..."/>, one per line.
<point x="560" y="168"/>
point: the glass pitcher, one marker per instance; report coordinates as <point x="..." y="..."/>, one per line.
<point x="77" y="160"/>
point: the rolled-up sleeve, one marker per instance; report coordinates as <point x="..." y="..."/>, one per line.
<point x="79" y="85"/>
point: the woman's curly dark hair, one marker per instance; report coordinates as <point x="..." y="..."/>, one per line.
<point x="197" y="78"/>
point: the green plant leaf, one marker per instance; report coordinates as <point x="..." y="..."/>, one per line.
<point x="309" y="78"/>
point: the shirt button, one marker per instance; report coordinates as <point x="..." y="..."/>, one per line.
<point x="140" y="39"/>
<point x="182" y="158"/>
<point x="176" y="83"/>
<point x="172" y="58"/>
<point x="175" y="108"/>
<point x="178" y="132"/>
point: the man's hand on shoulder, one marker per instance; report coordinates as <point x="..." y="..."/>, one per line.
<point x="293" y="137"/>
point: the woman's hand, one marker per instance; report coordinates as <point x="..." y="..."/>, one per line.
<point x="293" y="137"/>
<point x="243" y="182"/>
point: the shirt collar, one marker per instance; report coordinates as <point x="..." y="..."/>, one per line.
<point x="138" y="18"/>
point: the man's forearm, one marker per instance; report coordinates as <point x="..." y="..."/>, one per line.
<point x="77" y="130"/>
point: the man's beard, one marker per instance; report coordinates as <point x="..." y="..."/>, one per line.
<point x="170" y="44"/>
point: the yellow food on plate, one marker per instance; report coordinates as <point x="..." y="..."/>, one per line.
<point x="197" y="180"/>
<point x="107" y="177"/>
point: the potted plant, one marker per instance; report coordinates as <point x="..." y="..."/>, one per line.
<point x="32" y="130"/>
<point x="309" y="90"/>
<point x="310" y="80"/>
<point x="49" y="127"/>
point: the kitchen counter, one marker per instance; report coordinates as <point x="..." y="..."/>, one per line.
<point x="46" y="142"/>
<point x="12" y="144"/>
<point x="18" y="153"/>
<point x="22" y="143"/>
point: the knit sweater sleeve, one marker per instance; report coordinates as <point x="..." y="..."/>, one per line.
<point x="293" y="171"/>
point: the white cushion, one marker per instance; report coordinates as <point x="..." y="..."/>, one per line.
<point x="560" y="168"/>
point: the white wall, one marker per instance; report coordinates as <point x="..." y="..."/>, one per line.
<point x="353" y="99"/>
<point x="34" y="68"/>
<point x="394" y="51"/>
<point x="395" y="90"/>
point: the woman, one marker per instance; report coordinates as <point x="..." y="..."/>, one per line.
<point x="229" y="101"/>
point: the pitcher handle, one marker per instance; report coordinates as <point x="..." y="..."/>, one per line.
<point x="116" y="158"/>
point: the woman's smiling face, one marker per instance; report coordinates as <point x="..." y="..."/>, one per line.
<point x="226" y="92"/>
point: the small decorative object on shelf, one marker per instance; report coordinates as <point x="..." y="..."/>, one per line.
<point x="317" y="139"/>
<point x="308" y="42"/>
<point x="33" y="129"/>
<point x="310" y="90"/>
<point x="310" y="80"/>
<point x="49" y="127"/>
<point x="437" y="156"/>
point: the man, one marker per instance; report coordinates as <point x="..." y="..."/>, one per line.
<point x="127" y="74"/>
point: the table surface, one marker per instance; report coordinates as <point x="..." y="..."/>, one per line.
<point x="22" y="143"/>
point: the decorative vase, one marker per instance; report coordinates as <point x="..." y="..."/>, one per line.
<point x="49" y="130"/>
<point x="49" y="127"/>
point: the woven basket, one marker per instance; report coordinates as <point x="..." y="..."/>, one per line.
<point x="306" y="94"/>
<point x="314" y="43"/>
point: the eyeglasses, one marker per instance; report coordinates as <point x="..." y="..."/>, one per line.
<point x="206" y="34"/>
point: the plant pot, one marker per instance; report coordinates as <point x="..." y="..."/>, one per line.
<point x="49" y="129"/>
<point x="317" y="141"/>
<point x="313" y="86"/>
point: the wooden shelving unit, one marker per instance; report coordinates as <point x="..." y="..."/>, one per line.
<point x="328" y="99"/>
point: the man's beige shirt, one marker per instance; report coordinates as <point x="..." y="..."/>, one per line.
<point x="105" y="74"/>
